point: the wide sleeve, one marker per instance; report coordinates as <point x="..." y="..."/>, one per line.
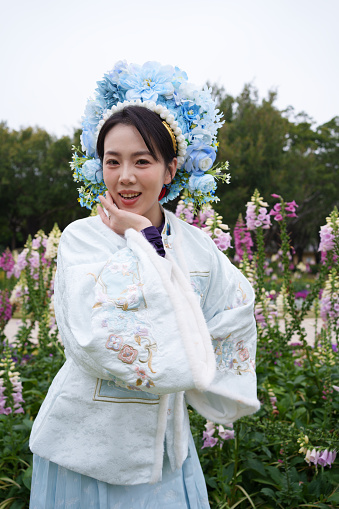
<point x="133" y="319"/>
<point x="228" y="311"/>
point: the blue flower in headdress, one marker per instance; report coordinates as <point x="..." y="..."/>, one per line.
<point x="109" y="91"/>
<point x="94" y="110"/>
<point x="179" y="77"/>
<point x="205" y="184"/>
<point x="199" y="158"/>
<point x="148" y="82"/>
<point x="88" y="139"/>
<point x="190" y="112"/>
<point x="92" y="171"/>
<point x="93" y="113"/>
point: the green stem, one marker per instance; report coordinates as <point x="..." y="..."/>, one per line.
<point x="236" y="462"/>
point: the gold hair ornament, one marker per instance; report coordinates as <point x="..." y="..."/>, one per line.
<point x="174" y="141"/>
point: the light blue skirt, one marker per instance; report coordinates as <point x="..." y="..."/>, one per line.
<point x="54" y="486"/>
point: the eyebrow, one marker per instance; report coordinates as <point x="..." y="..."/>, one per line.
<point x="139" y="153"/>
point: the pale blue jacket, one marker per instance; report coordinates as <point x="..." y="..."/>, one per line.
<point x="143" y="335"/>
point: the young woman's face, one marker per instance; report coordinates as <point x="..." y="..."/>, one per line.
<point x="132" y="176"/>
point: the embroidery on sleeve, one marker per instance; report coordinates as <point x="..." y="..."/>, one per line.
<point x="121" y="309"/>
<point x="127" y="354"/>
<point x="233" y="356"/>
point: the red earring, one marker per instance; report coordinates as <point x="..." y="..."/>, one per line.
<point x="162" y="193"/>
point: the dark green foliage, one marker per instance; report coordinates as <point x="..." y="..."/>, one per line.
<point x="278" y="152"/>
<point x="36" y="184"/>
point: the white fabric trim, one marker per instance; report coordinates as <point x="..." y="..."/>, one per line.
<point x="178" y="428"/>
<point x="203" y="370"/>
<point x="160" y="439"/>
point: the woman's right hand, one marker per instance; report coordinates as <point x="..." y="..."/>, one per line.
<point x="120" y="220"/>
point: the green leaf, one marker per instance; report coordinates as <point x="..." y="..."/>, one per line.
<point x="297" y="460"/>
<point x="299" y="379"/>
<point x="27" y="477"/>
<point x="265" y="481"/>
<point x="211" y="482"/>
<point x="268" y="492"/>
<point x="28" y="423"/>
<point x="18" y="504"/>
<point x="256" y="465"/>
<point x="276" y="475"/>
<point x="267" y="451"/>
<point x="334" y="497"/>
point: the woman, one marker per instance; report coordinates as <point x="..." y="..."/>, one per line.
<point x="139" y="295"/>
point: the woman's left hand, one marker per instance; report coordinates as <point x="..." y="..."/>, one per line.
<point x="120" y="220"/>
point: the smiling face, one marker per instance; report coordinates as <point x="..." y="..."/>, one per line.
<point x="132" y="175"/>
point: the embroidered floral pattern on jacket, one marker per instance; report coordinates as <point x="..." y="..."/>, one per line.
<point x="232" y="355"/>
<point x="114" y="342"/>
<point x="143" y="378"/>
<point x="223" y="351"/>
<point x="240" y="298"/>
<point x="121" y="310"/>
<point x="128" y="354"/>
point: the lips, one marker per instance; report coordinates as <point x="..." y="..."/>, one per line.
<point x="129" y="196"/>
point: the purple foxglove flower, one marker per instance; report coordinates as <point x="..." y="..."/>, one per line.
<point x="209" y="433"/>
<point x="209" y="441"/>
<point x="17" y="397"/>
<point x="5" y="411"/>
<point x="314" y="456"/>
<point x="322" y="461"/>
<point x="210" y="425"/>
<point x="326" y="238"/>
<point x="331" y="457"/>
<point x="307" y="457"/>
<point x="226" y="434"/>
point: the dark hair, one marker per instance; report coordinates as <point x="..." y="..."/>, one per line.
<point x="150" y="126"/>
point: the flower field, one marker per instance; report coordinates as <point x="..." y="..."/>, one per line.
<point x="284" y="456"/>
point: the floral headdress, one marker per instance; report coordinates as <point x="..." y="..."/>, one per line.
<point x="189" y="112"/>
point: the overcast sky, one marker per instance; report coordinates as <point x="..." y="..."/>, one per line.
<point x="53" y="52"/>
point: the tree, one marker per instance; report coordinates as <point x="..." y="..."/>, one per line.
<point x="278" y="152"/>
<point x="37" y="187"/>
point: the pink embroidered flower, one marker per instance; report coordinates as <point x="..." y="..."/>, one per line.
<point x="140" y="372"/>
<point x="240" y="345"/>
<point x="114" y="343"/>
<point x="128" y="354"/>
<point x="244" y="355"/>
